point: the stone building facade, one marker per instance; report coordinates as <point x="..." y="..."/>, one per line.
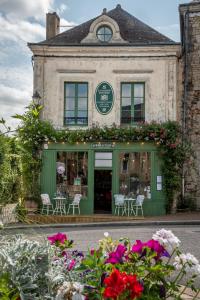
<point x="114" y="57"/>
<point x="190" y="42"/>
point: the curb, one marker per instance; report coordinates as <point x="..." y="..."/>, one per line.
<point x="106" y="224"/>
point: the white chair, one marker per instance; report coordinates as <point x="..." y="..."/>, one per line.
<point x="75" y="203"/>
<point x="46" y="203"/>
<point x="119" y="204"/>
<point x="138" y="205"/>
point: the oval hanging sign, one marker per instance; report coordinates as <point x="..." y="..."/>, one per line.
<point x="104" y="98"/>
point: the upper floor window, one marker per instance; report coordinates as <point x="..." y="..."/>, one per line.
<point x="104" y="34"/>
<point x="76" y="103"/>
<point x="132" y="103"/>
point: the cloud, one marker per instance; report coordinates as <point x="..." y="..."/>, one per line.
<point x="23" y="8"/>
<point x="23" y="30"/>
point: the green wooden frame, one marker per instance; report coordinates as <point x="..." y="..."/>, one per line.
<point x="132" y="101"/>
<point x="154" y="206"/>
<point x="76" y="103"/>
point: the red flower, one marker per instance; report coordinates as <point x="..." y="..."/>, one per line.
<point x="119" y="284"/>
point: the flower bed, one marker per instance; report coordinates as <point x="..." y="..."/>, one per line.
<point x="117" y="269"/>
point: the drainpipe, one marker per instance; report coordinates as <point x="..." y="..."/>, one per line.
<point x="186" y="60"/>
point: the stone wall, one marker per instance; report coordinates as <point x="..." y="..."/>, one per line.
<point x="191" y="56"/>
<point x="157" y="67"/>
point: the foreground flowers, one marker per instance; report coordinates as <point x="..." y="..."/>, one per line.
<point x="115" y="270"/>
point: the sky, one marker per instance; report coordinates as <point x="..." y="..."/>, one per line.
<point x="23" y="21"/>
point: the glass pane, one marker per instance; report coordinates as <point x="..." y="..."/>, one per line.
<point x="107" y="38"/>
<point x="71" y="174"/>
<point x="103" y="163"/>
<point x="138" y="90"/>
<point x="82" y="117"/>
<point x="82" y="90"/>
<point x="101" y="30"/>
<point x="126" y="90"/>
<point x="103" y="155"/>
<point x="138" y="116"/>
<point x="126" y="103"/>
<point x="126" y="117"/>
<point x="138" y="101"/>
<point x="135" y="174"/>
<point x="108" y="31"/>
<point x="82" y="103"/>
<point x="70" y="90"/>
<point x="70" y="104"/>
<point x="69" y="117"/>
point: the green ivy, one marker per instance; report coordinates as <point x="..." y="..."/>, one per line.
<point x="34" y="132"/>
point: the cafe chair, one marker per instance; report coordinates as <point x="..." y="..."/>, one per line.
<point x="119" y="204"/>
<point x="75" y="204"/>
<point x="46" y="203"/>
<point x="138" y="205"/>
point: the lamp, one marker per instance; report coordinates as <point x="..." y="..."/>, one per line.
<point x="36" y="98"/>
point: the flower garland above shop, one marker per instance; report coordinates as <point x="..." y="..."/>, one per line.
<point x="34" y="134"/>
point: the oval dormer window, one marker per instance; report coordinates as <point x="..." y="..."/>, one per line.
<point x="104" y="34"/>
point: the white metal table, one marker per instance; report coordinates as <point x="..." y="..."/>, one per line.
<point x="60" y="205"/>
<point x="127" y="203"/>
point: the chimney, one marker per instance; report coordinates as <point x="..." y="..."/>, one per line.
<point x="52" y="25"/>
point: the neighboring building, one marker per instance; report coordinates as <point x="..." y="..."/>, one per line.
<point x="190" y="39"/>
<point x="111" y="69"/>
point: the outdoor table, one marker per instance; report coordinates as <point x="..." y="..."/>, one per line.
<point x="127" y="203"/>
<point x="60" y="205"/>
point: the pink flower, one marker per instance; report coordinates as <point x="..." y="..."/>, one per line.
<point x="57" y="238"/>
<point x="72" y="264"/>
<point x="155" y="246"/>
<point x="116" y="256"/>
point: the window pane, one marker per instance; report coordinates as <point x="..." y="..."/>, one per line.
<point x="107" y="38"/>
<point x="71" y="174"/>
<point x="138" y="116"/>
<point x="108" y="31"/>
<point x="135" y="174"/>
<point x="69" y="117"/>
<point x="103" y="163"/>
<point x="82" y="90"/>
<point x="138" y="101"/>
<point x="126" y="103"/>
<point x="70" y="104"/>
<point x="70" y="90"/>
<point x="126" y="117"/>
<point x="138" y="90"/>
<point x="103" y="155"/>
<point x="101" y="30"/>
<point x="82" y="117"/>
<point x="82" y="103"/>
<point x="126" y="90"/>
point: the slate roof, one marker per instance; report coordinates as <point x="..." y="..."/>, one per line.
<point x="132" y="30"/>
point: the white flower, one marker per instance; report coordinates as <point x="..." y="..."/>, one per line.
<point x="78" y="287"/>
<point x="167" y="239"/>
<point x="106" y="234"/>
<point x="189" y="262"/>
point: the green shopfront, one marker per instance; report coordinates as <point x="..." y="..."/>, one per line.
<point x="100" y="170"/>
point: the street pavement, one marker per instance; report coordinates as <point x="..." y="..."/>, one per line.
<point x="85" y="238"/>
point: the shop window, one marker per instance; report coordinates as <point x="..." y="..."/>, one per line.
<point x="72" y="173"/>
<point x="132" y="103"/>
<point x="76" y="103"/>
<point x="103" y="159"/>
<point x="135" y="174"/>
